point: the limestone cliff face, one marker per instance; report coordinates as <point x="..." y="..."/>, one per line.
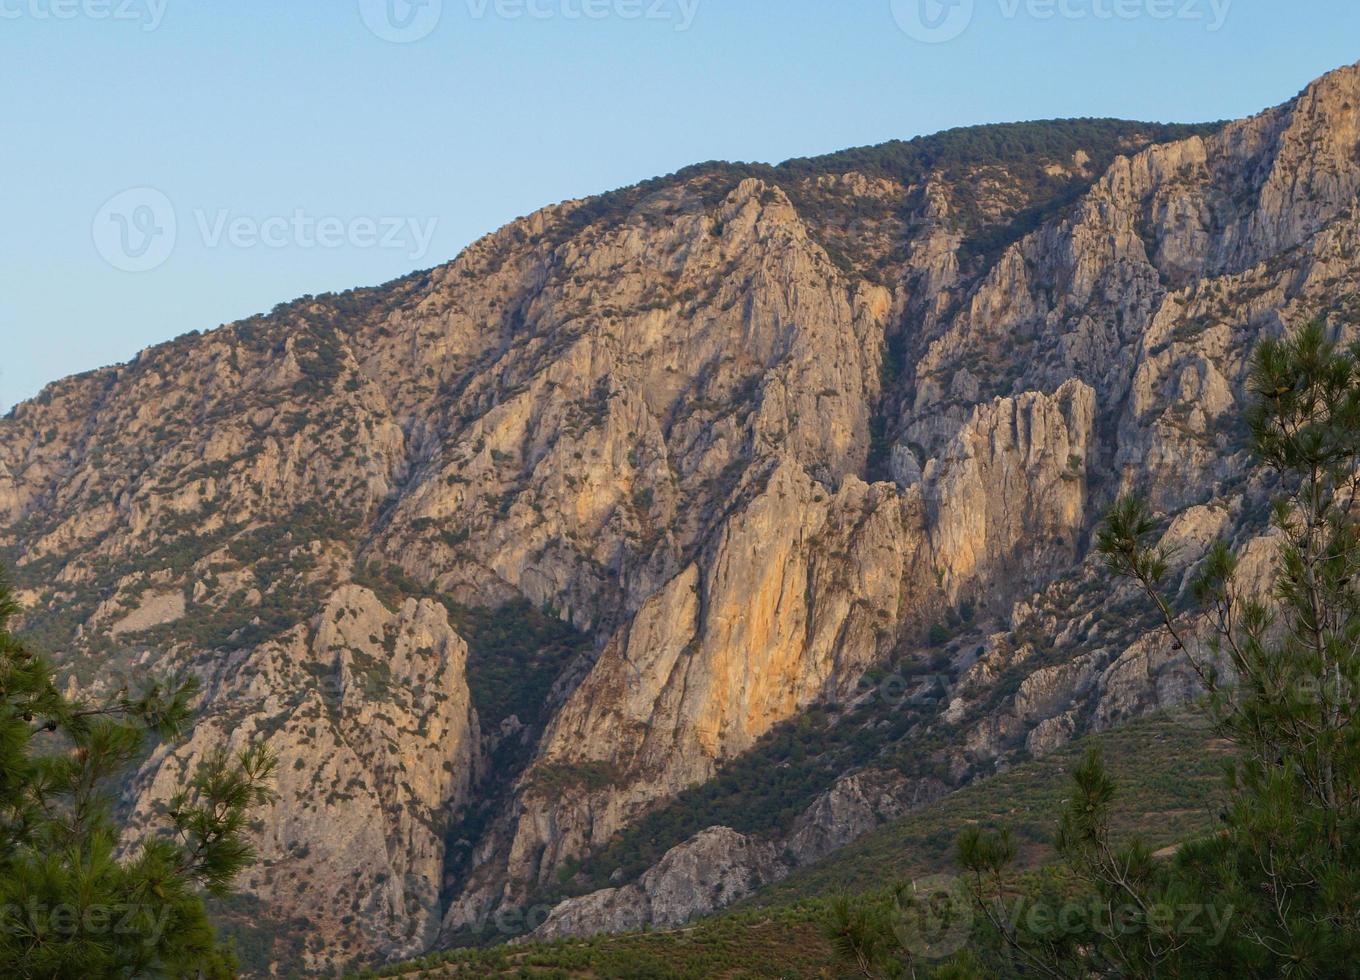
<point x="652" y="360"/>
<point x="1008" y="494"/>
<point x="797" y="595"/>
<point x="370" y="714"/>
<point x="752" y="431"/>
<point x="713" y="870"/>
<point x="855" y="805"/>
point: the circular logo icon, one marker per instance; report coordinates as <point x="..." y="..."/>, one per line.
<point x="401" y="21"/>
<point x="933" y="917"/>
<point x="933" y="21"/>
<point x="135" y="231"/>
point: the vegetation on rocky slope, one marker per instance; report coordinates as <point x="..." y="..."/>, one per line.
<point x="1023" y="172"/>
<point x="1169" y="771"/>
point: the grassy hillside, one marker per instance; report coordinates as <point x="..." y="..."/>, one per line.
<point x="774" y="944"/>
<point x="1169" y="772"/>
<point x="1169" y="775"/>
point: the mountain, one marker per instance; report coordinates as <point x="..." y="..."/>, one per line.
<point x="665" y="542"/>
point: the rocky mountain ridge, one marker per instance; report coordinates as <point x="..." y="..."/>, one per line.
<point x="726" y="447"/>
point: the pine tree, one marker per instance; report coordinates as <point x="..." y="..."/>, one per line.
<point x="76" y="899"/>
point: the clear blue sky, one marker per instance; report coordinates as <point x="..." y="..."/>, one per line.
<point x="241" y="111"/>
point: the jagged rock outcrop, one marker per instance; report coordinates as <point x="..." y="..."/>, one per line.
<point x="369" y="712"/>
<point x="706" y="873"/>
<point x="855" y="805"/>
<point x="1008" y="495"/>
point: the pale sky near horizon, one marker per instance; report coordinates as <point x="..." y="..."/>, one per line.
<point x="281" y="148"/>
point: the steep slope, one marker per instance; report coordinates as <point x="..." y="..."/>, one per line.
<point x="751" y="431"/>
